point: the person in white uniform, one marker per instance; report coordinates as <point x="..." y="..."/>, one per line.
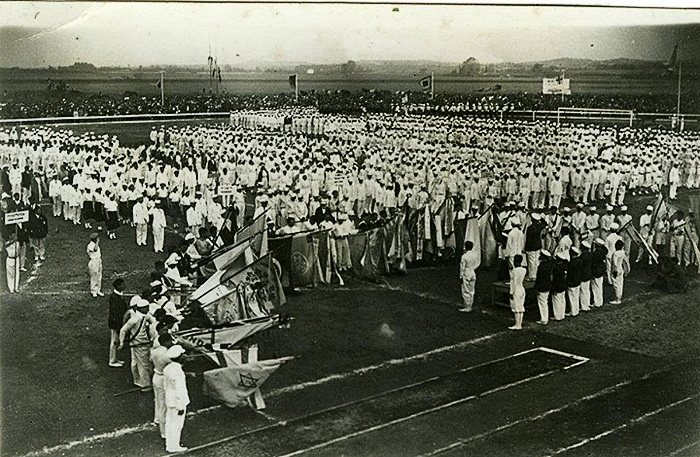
<point x="517" y="292"/>
<point x="470" y="261"/>
<point x="176" y="399"/>
<point x="95" y="265"/>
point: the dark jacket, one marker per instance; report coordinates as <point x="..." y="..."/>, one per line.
<point x="37" y="226"/>
<point x="5" y="181"/>
<point x="598" y="261"/>
<point x="543" y="281"/>
<point x="117" y="309"/>
<point x="559" y="275"/>
<point x="573" y="275"/>
<point x="533" y="236"/>
<point x="586" y="266"/>
<point x="26" y="179"/>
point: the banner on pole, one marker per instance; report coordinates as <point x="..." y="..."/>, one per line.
<point x="17" y="217"/>
<point x="556" y="86"/>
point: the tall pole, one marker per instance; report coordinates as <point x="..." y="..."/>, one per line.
<point x="562" y="84"/>
<point x="432" y="85"/>
<point x="162" y="93"/>
<point x="678" y="99"/>
<point x="296" y="88"/>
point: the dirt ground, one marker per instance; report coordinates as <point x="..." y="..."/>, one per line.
<point x="364" y="355"/>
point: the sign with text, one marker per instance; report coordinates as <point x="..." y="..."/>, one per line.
<point x="556" y="86"/>
<point x="17" y="217"/>
<point x="226" y="189"/>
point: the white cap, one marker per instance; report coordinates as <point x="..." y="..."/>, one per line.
<point x="614" y="226"/>
<point x="175" y="351"/>
<point x="576" y="250"/>
<point x="600" y="241"/>
<point x="536" y="216"/>
<point x="608" y="207"/>
<point x="650" y="208"/>
<point x="189" y="237"/>
<point x="586" y="244"/>
<point x="623" y="208"/>
<point x="545" y="253"/>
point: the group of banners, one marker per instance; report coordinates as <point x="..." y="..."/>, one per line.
<point x="243" y="290"/>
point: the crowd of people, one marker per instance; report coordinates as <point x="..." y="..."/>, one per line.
<point x="68" y="103"/>
<point x="303" y="170"/>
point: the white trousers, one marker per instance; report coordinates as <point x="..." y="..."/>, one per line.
<point x="173" y="428"/>
<point x="585" y="295"/>
<point x="113" y="343"/>
<point x="12" y="273"/>
<point x="542" y="298"/>
<point x="618" y="285"/>
<point x="559" y="305"/>
<point x="159" y="402"/>
<point x="95" y="270"/>
<point x="158" y="237"/>
<point x="468" y="293"/>
<point x="573" y="294"/>
<point x="141" y="234"/>
<point x="597" y="291"/>
<point x="533" y="262"/>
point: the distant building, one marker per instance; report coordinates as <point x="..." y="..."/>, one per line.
<point x="310" y="71"/>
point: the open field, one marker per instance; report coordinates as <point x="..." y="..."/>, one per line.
<point x="273" y="83"/>
<point x="387" y="369"/>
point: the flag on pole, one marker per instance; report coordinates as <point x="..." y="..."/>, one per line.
<point x="254" y="291"/>
<point x="159" y="84"/>
<point x="426" y="83"/>
<point x="233" y="384"/>
<point x="230" y="335"/>
<point x="225" y="235"/>
<point x="673" y="60"/>
<point x="662" y="210"/>
<point x="293" y="82"/>
<point x="634" y="234"/>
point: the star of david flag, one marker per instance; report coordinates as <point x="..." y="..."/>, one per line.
<point x="233" y="384"/>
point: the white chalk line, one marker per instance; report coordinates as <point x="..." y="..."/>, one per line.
<point x="284" y="390"/>
<point x="270" y="417"/>
<point x="361" y="400"/>
<point x="423" y="295"/>
<point x="371" y="397"/>
<point x="549" y="412"/>
<point x="684" y="448"/>
<point x="641" y="418"/>
<point x="434" y="409"/>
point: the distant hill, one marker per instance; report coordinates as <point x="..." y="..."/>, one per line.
<point x="471" y="67"/>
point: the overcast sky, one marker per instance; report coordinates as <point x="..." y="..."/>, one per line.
<point x="38" y="34"/>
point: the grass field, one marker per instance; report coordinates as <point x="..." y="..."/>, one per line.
<point x="360" y="382"/>
<point x="273" y="83"/>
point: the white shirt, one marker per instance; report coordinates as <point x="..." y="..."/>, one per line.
<point x="175" y="384"/>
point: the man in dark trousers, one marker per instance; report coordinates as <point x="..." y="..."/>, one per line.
<point x="573" y="281"/>
<point x="543" y="284"/>
<point x="37" y="229"/>
<point x="561" y="265"/>
<point x="598" y="270"/>
<point x="586" y="259"/>
<point x="27" y="177"/>
<point x="117" y="310"/>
